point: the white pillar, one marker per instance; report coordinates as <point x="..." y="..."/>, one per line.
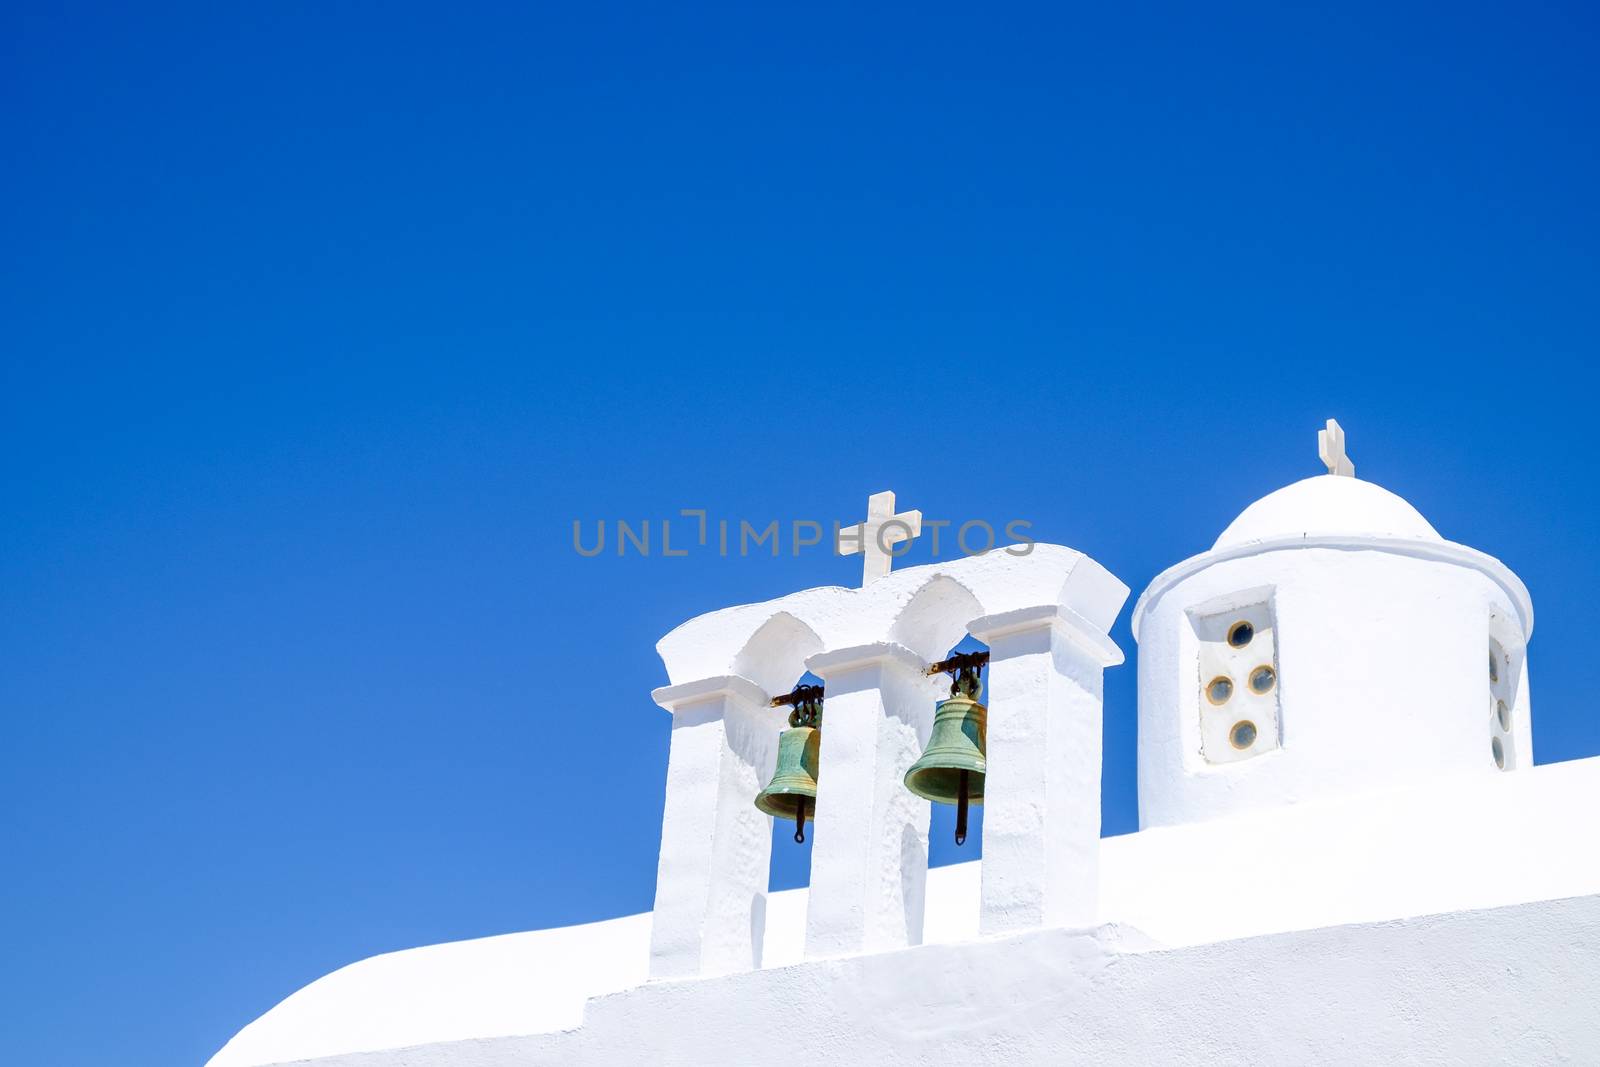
<point x="1041" y="803"/>
<point x="711" y="880"/>
<point x="869" y="866"/>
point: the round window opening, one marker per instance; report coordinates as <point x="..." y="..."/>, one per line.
<point x="1499" y="753"/>
<point x="1262" y="680"/>
<point x="1494" y="667"/>
<point x="1240" y="634"/>
<point x="1218" y="690"/>
<point x="1243" y="735"/>
<point x="1503" y="713"/>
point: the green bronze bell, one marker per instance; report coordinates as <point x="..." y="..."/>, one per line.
<point x="952" y="767"/>
<point x="792" y="793"/>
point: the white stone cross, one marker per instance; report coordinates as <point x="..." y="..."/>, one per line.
<point x="874" y="537"/>
<point x="1330" y="446"/>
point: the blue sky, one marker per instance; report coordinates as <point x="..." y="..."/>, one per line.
<point x="322" y="323"/>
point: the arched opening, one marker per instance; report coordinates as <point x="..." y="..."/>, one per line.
<point x="936" y="616"/>
<point x="790" y="866"/>
<point x="777" y="651"/>
<point x="942" y="847"/>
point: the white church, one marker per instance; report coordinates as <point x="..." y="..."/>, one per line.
<point x="1346" y="854"/>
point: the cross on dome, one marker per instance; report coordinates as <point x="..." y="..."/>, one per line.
<point x="1330" y="446"/>
<point x="883" y="529"/>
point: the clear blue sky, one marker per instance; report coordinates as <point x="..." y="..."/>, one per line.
<point x="322" y="323"/>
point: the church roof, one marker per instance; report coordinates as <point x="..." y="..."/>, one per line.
<point x="1335" y="511"/>
<point x="1327" y="505"/>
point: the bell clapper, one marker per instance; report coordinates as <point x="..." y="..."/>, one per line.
<point x="800" y="822"/>
<point x="961" y="810"/>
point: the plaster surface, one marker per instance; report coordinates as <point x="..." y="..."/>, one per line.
<point x="925" y="609"/>
<point x="515" y="983"/>
<point x="1514" y="985"/>
<point x="1382" y="633"/>
<point x="1332" y="511"/>
<point x="1327" y="504"/>
<point x="1472" y="841"/>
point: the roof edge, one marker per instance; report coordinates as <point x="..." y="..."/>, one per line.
<point x="1438" y="551"/>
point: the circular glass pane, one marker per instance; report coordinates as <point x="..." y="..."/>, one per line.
<point x="1240" y="634"/>
<point x="1499" y="753"/>
<point x="1494" y="667"/>
<point x="1243" y="734"/>
<point x="1503" y="713"/>
<point x="1262" y="679"/>
<point x="1219" y="690"/>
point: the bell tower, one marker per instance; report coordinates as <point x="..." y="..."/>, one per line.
<point x="858" y="763"/>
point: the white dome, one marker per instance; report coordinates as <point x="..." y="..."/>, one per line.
<point x="1327" y="504"/>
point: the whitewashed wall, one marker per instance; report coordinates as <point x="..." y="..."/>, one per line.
<point x="1382" y="664"/>
<point x="1381" y="635"/>
<point x="1045" y="615"/>
<point x="1517" y="985"/>
<point x="1463" y="842"/>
